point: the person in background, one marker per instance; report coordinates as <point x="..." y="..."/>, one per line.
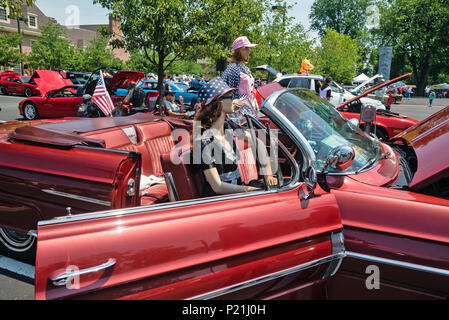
<point x="431" y="97"/>
<point x="172" y="109"/>
<point x="120" y="110"/>
<point x="238" y="75"/>
<point x="326" y="91"/>
<point x="136" y="96"/>
<point x="390" y="100"/>
<point x="87" y="109"/>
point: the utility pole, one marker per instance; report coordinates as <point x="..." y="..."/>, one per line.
<point x="25" y="20"/>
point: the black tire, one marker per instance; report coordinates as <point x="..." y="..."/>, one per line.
<point x="28" y="92"/>
<point x="18" y="246"/>
<point x="30" y="111"/>
<point x="3" y="91"/>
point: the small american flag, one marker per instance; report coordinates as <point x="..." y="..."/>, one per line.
<point x="102" y="98"/>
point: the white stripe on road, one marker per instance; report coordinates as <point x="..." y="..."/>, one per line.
<point x="17" y="267"/>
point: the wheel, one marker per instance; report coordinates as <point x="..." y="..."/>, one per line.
<point x="17" y="245"/>
<point x="28" y="92"/>
<point x="30" y="111"/>
<point x="3" y="91"/>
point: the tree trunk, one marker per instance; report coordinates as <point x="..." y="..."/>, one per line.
<point x="422" y="75"/>
<point x="160" y="82"/>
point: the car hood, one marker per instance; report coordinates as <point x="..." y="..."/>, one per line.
<point x="122" y="78"/>
<point x="428" y="139"/>
<point x="48" y="80"/>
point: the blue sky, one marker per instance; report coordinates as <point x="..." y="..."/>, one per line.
<point x="95" y="14"/>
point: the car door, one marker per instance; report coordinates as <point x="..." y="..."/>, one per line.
<point x="61" y="103"/>
<point x="397" y="245"/>
<point x="12" y="85"/>
<point x="284" y="242"/>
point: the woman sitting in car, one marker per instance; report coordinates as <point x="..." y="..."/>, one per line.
<point x="215" y="155"/>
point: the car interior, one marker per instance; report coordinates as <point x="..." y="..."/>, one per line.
<point x="156" y="144"/>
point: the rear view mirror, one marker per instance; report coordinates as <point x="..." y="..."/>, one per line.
<point x="340" y="158"/>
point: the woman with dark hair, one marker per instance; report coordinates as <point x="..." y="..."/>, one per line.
<point x="215" y="149"/>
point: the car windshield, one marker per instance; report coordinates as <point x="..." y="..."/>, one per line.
<point x="25" y="79"/>
<point x="325" y="128"/>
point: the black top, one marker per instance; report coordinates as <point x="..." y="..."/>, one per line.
<point x="214" y="155"/>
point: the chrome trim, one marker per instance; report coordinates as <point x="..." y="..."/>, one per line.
<point x="170" y="183"/>
<point x="62" y="279"/>
<point x="253" y="282"/>
<point x="77" y="197"/>
<point x="398" y="263"/>
<point x="338" y="247"/>
<point x="430" y="130"/>
<point x="32" y="233"/>
<point x="163" y="206"/>
<point x="293" y="133"/>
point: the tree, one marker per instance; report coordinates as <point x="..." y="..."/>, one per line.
<point x="337" y="56"/>
<point x="283" y="44"/>
<point x="52" y="51"/>
<point x="15" y="6"/>
<point x="418" y="31"/>
<point x="10" y="55"/>
<point x="169" y="30"/>
<point x="344" y="16"/>
<point x="98" y="55"/>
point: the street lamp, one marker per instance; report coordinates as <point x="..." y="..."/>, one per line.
<point x="25" y="20"/>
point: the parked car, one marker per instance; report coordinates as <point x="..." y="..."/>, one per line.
<point x="18" y="85"/>
<point x="344" y="201"/>
<point x="61" y="98"/>
<point x="314" y="82"/>
<point x="387" y="124"/>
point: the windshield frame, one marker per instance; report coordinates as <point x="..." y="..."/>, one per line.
<point x="268" y="108"/>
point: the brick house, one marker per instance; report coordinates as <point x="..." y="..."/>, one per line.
<point x="80" y="37"/>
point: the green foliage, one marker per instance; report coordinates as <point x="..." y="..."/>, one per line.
<point x="344" y="16"/>
<point x="418" y="31"/>
<point x="165" y="31"/>
<point x="52" y="51"/>
<point x="337" y="56"/>
<point x="15" y="6"/>
<point x="10" y="55"/>
<point x="98" y="55"/>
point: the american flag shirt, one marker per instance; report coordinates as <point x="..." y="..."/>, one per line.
<point x="232" y="77"/>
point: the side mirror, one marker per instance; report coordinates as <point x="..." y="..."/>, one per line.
<point x="311" y="181"/>
<point x="340" y="158"/>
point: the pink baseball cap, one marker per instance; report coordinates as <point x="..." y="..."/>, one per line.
<point x="242" y="42"/>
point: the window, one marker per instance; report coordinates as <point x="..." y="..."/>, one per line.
<point x="4" y="13"/>
<point x="300" y="83"/>
<point x="32" y="21"/>
<point x="285" y="82"/>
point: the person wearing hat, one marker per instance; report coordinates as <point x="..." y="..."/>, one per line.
<point x="87" y="109"/>
<point x="239" y="76"/>
<point x="215" y="150"/>
<point x="172" y="109"/>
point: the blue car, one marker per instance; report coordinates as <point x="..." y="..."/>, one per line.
<point x="182" y="89"/>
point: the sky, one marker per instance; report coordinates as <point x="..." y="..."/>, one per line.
<point x="65" y="13"/>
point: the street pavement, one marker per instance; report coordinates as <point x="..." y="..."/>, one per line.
<point x="18" y="285"/>
<point x="416" y="108"/>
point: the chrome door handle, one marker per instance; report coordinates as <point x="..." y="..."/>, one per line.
<point x="63" y="279"/>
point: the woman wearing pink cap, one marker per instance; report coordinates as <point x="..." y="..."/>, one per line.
<point x="238" y="75"/>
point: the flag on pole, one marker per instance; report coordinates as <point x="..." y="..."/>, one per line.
<point x="102" y="98"/>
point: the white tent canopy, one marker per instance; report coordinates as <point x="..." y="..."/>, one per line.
<point x="360" y="79"/>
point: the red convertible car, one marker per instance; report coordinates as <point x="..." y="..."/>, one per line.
<point x="351" y="217"/>
<point x="61" y="99"/>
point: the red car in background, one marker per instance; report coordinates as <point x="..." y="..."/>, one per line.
<point x="16" y="84"/>
<point x="61" y="98"/>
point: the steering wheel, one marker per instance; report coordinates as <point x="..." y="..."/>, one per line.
<point x="251" y="121"/>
